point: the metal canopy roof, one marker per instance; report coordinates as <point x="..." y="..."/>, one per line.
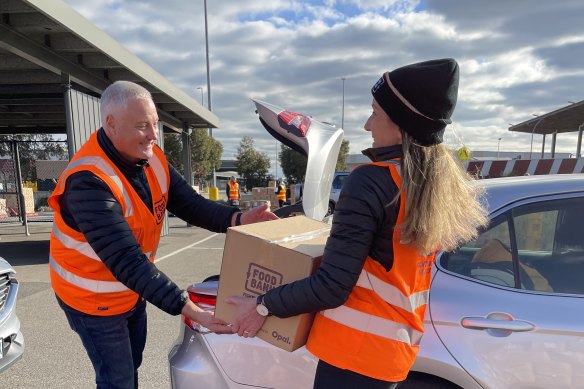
<point x="566" y="119"/>
<point x="42" y="41"/>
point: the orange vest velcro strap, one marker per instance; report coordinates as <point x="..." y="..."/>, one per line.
<point x="107" y="169"/>
<point x="94" y="286"/>
<point x="371" y="324"/>
<point x="391" y="294"/>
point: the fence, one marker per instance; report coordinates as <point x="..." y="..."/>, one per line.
<point x="27" y="178"/>
<point x="521" y="167"/>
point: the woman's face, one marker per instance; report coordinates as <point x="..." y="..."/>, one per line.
<point x="383" y="131"/>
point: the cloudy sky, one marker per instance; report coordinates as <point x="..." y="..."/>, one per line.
<point x="517" y="58"/>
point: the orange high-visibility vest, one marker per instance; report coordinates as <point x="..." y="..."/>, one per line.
<point x="377" y="331"/>
<point x="282" y="192"/>
<point x="78" y="276"/>
<point x="233" y="190"/>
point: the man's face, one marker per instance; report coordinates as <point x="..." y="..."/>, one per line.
<point x="134" y="130"/>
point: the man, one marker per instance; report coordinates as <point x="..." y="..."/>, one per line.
<point x="109" y="206"/>
<point x="232" y="190"/>
<point x="281" y="193"/>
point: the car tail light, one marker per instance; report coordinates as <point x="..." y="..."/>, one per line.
<point x="294" y="122"/>
<point x="203" y="301"/>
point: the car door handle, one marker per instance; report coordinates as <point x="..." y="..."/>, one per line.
<point x="490" y="323"/>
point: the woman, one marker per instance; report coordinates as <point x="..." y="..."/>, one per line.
<point x="392" y="215"/>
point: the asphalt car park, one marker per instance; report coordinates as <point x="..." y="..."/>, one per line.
<point x="54" y="357"/>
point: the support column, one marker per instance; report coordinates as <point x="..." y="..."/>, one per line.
<point x="19" y="188"/>
<point x="579" y="144"/>
<point x="186" y="154"/>
<point x="543" y="146"/>
<point x="555" y="134"/>
<point x="66" y="82"/>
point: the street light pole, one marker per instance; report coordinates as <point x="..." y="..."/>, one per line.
<point x="498" y="144"/>
<point x="343" y="105"/>
<point x="208" y="82"/>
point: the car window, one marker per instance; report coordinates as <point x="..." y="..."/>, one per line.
<point x="339" y="181"/>
<point x="550" y="245"/>
<point x="537" y="246"/>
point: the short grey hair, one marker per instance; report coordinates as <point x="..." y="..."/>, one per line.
<point x="116" y="97"/>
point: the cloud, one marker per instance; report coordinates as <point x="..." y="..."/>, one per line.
<point x="516" y="58"/>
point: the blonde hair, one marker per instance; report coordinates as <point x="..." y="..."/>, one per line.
<point x="442" y="203"/>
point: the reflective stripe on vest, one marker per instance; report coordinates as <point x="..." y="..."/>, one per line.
<point x="94" y="286"/>
<point x="374" y="325"/>
<point x="81" y="247"/>
<point x="391" y="294"/>
<point x="159" y="172"/>
<point x="106" y="169"/>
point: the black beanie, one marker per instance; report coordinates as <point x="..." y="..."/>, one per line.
<point x="420" y="98"/>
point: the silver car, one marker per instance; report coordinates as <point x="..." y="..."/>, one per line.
<point x="11" y="339"/>
<point x="505" y="311"/>
<point x="336" y="188"/>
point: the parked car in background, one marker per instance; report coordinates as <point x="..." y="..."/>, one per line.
<point x="505" y="311"/>
<point x="337" y="185"/>
<point x="11" y="339"/>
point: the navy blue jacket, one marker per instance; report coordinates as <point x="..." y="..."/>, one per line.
<point x="88" y="206"/>
<point x="363" y="224"/>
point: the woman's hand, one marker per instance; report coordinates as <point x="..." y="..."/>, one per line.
<point x="206" y="319"/>
<point x="247" y="321"/>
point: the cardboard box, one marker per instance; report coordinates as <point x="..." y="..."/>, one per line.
<point x="262" y="256"/>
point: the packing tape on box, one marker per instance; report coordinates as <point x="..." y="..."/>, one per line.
<point x="300" y="237"/>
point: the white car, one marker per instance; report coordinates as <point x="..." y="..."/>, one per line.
<point x="11" y="339"/>
<point x="336" y="188"/>
<point x="505" y="311"/>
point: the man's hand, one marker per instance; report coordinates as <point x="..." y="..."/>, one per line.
<point x="206" y="319"/>
<point x="247" y="321"/>
<point x="258" y="214"/>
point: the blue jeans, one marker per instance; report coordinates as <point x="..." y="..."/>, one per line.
<point x="114" y="344"/>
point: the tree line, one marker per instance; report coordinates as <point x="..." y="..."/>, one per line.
<point x="252" y="165"/>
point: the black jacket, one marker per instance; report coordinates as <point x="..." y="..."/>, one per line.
<point x="88" y="206"/>
<point x="363" y="225"/>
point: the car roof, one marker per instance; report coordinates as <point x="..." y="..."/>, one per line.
<point x="503" y="191"/>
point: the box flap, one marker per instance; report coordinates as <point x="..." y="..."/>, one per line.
<point x="286" y="231"/>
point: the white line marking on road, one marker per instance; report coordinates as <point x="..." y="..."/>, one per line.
<point x="185" y="248"/>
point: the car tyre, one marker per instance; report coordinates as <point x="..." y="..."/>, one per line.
<point x="424" y="381"/>
<point x="331" y="209"/>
